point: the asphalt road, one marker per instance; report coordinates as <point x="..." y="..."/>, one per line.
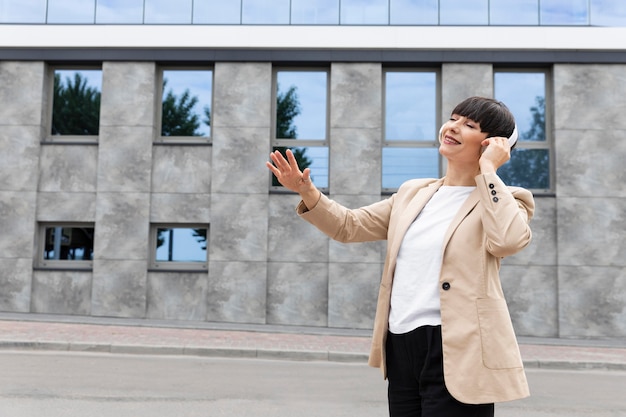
<point x="62" y="384"/>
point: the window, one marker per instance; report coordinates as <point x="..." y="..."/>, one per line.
<point x="179" y="247"/>
<point x="76" y="103"/>
<point x="464" y="12"/>
<point x="186" y="104"/>
<point x="524" y="92"/>
<point x="265" y="12"/>
<point x="414" y="12"/>
<point x="300" y="120"/>
<point x="25" y="11"/>
<point x="216" y="12"/>
<point x="66" y="245"/>
<point x="320" y="12"/>
<point x="119" y="11"/>
<point x="512" y="13"/>
<point x="564" y="12"/>
<point x="167" y="12"/>
<point x="410" y="127"/>
<point x="62" y="11"/>
<point x="364" y="12"/>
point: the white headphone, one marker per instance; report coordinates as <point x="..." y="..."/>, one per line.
<point x="512" y="138"/>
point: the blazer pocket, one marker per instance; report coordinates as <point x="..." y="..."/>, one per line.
<point x="498" y="341"/>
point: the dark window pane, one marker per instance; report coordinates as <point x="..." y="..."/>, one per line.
<point x="528" y="168"/>
<point x="24" y="11"/>
<point x="464" y="12"/>
<point x="186" y="103"/>
<point x="402" y="164"/>
<point x="364" y="12"/>
<point x="519" y="12"/>
<point x="167" y="11"/>
<point x="73" y="11"/>
<point x="181" y="245"/>
<point x="275" y="12"/>
<point x="217" y="12"/>
<point x="301" y="100"/>
<point x="524" y="93"/>
<point x="319" y="12"/>
<point x="119" y="11"/>
<point x="410" y="105"/>
<point x="414" y="12"/>
<point x="564" y="12"/>
<point x="608" y="13"/>
<point x="313" y="157"/>
<point x="76" y="102"/>
<point x="69" y="243"/>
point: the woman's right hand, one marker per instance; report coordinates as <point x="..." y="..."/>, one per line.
<point x="287" y="171"/>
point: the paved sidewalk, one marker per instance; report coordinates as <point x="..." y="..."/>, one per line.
<point x="63" y="333"/>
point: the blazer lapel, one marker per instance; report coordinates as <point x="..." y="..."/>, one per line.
<point x="465" y="209"/>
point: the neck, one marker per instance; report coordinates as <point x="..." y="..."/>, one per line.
<point x="456" y="176"/>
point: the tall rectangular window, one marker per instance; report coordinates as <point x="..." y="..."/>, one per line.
<point x="410" y="131"/>
<point x="66" y="245"/>
<point x="179" y="247"/>
<point x="76" y="102"/>
<point x="524" y="92"/>
<point x="301" y="119"/>
<point x="187" y="95"/>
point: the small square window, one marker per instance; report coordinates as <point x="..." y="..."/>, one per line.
<point x="66" y="246"/>
<point x="76" y="104"/>
<point x="179" y="247"/>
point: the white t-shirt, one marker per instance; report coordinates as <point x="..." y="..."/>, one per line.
<point x="415" y="291"/>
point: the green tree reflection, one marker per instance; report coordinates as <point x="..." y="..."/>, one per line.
<point x="75" y="107"/>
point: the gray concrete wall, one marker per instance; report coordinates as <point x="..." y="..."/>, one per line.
<point x="265" y="264"/>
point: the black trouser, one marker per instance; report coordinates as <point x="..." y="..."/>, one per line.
<point x="415" y="374"/>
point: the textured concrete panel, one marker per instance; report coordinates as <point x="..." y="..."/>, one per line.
<point x="542" y="249"/>
<point x="181" y="169"/>
<point x="592" y="301"/>
<point x="22" y="85"/>
<point x="237" y="292"/>
<point x="122" y="226"/>
<point x="291" y="239"/>
<point x="460" y="81"/>
<point x="356" y="95"/>
<point x="128" y="94"/>
<point x="244" y="94"/>
<point x="66" y="207"/>
<point x="125" y="159"/>
<point x="352" y="293"/>
<point x="591" y="231"/>
<point x="531" y="293"/>
<point x="239" y="156"/>
<point x="177" y="296"/>
<point x="297" y="293"/>
<point x="589" y="96"/>
<point x="355" y="166"/>
<point x="68" y="168"/>
<point x="19" y="157"/>
<point x="180" y="208"/>
<point x="62" y="292"/>
<point x="15" y="281"/>
<point x="238" y="227"/>
<point x="17" y="223"/>
<point x="366" y="252"/>
<point x="119" y="288"/>
<point x="585" y="168"/>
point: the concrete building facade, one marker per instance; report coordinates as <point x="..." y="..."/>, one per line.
<point x="264" y="265"/>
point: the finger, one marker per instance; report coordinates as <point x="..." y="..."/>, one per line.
<point x="306" y="174"/>
<point x="292" y="160"/>
<point x="272" y="168"/>
<point x="279" y="160"/>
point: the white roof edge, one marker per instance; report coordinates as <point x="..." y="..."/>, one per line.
<point x="314" y="37"/>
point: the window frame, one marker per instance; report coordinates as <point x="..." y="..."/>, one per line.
<point x="66" y="264"/>
<point x="548" y="143"/>
<point x="71" y="139"/>
<point x="299" y="143"/>
<point x="401" y="143"/>
<point x="176" y="266"/>
<point x="181" y="140"/>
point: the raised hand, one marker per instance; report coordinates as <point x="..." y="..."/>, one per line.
<point x="290" y="177"/>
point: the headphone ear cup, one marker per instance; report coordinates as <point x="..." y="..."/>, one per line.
<point x="440" y="133"/>
<point x="513" y="137"/>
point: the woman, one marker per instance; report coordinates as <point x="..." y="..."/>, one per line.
<point x="442" y="334"/>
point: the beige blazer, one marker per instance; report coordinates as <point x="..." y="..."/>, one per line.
<point x="482" y="362"/>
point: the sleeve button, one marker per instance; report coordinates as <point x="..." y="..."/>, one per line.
<point x="491" y="185"/>
<point x="445" y="286"/>
<point x="495" y="199"/>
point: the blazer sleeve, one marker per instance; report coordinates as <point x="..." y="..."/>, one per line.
<point x="346" y="225"/>
<point x="506" y="214"/>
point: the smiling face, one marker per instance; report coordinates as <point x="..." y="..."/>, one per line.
<point x="461" y="139"/>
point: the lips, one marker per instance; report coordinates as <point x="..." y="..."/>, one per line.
<point x="451" y="141"/>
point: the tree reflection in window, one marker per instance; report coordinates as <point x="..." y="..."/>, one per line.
<point x="76" y="102"/>
<point x="68" y="243"/>
<point x="181" y="244"/>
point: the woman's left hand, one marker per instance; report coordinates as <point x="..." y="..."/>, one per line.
<point x="496" y="153"/>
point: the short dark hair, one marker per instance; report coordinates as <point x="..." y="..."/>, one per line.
<point x="494" y="117"/>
